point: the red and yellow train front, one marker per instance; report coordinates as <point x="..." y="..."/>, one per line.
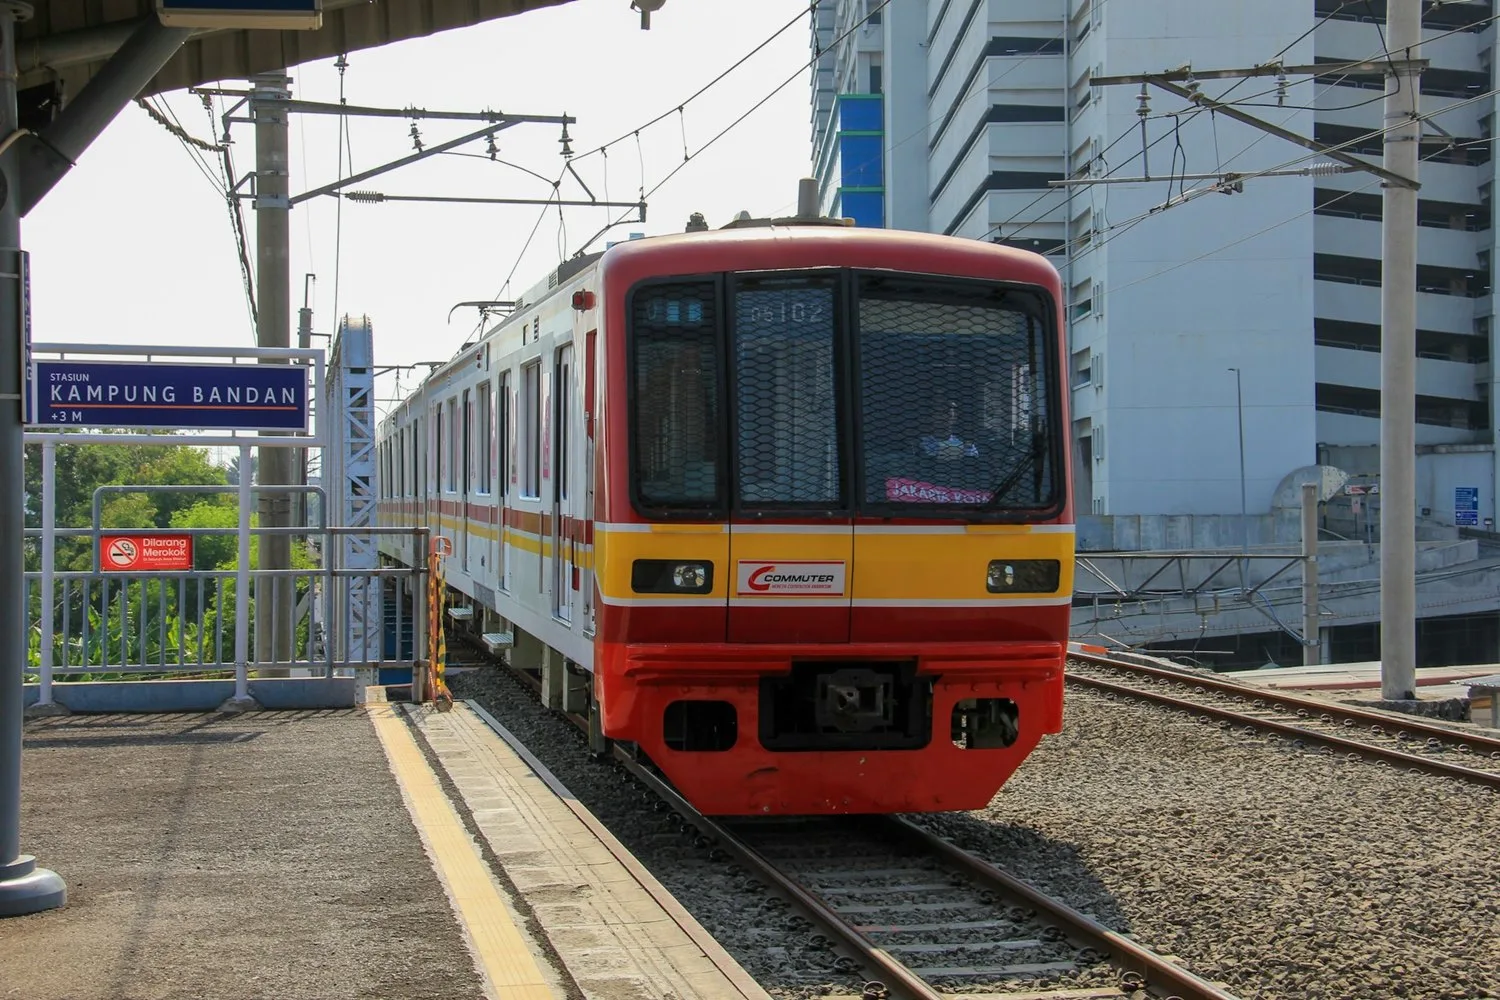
<point x="834" y="546"/>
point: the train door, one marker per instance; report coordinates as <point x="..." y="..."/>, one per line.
<point x="791" y="534"/>
<point x="466" y="477"/>
<point x="564" y="522"/>
<point x="503" y="414"/>
<point x="585" y="573"/>
<point x="439" y="461"/>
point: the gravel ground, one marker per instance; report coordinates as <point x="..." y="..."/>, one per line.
<point x="1453" y="748"/>
<point x="1287" y="875"/>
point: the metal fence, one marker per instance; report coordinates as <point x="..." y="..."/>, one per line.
<point x="88" y="624"/>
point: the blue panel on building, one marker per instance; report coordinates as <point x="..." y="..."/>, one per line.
<point x="861" y="114"/>
<point x="866" y="208"/>
<point x="862" y="161"/>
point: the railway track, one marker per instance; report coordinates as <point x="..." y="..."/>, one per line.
<point x="927" y="919"/>
<point x="1405" y="742"/>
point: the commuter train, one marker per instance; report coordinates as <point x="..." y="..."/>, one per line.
<point x="784" y="505"/>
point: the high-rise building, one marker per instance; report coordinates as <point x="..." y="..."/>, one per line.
<point x="1191" y="316"/>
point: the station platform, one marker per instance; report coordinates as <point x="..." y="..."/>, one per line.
<point x="383" y="851"/>
<point x="1363" y="679"/>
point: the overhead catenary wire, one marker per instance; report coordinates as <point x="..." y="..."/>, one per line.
<point x="223" y="185"/>
<point x="556" y="184"/>
<point x="1300" y="159"/>
<point x="1290" y="219"/>
<point x="190" y="143"/>
<point x="1116" y="230"/>
<point x="635" y="134"/>
<point x="677" y="108"/>
<point x="688" y="158"/>
<point x="1243" y="102"/>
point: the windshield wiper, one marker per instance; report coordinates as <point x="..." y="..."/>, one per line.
<point x="1036" y="453"/>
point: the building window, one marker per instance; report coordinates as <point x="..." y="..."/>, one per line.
<point x="1082" y="364"/>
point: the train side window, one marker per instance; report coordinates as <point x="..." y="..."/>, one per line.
<point x="467" y="452"/>
<point x="502" y="433"/>
<point x="675" y="415"/>
<point x="531" y="431"/>
<point x="439" y="449"/>
<point x="563" y="395"/>
<point x="486" y="452"/>
<point x="418" y="470"/>
<point x="451" y="483"/>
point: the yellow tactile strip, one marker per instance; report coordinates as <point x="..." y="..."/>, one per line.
<point x="502" y="954"/>
<point x="616" y="936"/>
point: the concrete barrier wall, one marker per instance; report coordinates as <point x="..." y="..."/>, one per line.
<point x="1177" y="532"/>
<point x="283" y="693"/>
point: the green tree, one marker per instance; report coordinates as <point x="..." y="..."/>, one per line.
<point x="82" y="468"/>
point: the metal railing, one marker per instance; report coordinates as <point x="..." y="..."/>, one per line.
<point x="140" y="624"/>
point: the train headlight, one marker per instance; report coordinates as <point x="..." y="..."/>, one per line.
<point x="1023" y="576"/>
<point x="689" y="576"/>
<point x="671" y="576"/>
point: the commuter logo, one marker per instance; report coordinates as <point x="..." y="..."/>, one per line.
<point x="793" y="578"/>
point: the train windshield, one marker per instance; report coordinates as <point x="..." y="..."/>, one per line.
<point x="897" y="395"/>
<point x="954" y="398"/>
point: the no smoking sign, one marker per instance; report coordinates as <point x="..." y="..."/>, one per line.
<point x="122" y="553"/>
<point x="145" y="553"/>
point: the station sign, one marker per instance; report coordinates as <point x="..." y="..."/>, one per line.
<point x="133" y="394"/>
<point x="289" y="15"/>
<point x="137" y="553"/>
<point x="1466" y="506"/>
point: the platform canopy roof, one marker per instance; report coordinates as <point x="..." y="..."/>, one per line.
<point x="66" y="42"/>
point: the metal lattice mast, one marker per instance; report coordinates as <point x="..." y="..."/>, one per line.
<point x="350" y="482"/>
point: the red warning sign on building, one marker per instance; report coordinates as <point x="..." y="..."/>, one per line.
<point x="145" y="553"/>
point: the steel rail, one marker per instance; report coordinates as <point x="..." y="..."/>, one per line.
<point x="1295" y="702"/>
<point x="1328" y="740"/>
<point x="1157" y="973"/>
<point x="746" y="855"/>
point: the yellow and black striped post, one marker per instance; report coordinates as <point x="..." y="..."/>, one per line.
<point x="437" y="643"/>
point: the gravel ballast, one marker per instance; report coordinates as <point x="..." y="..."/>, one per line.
<point x="1285" y="874"/>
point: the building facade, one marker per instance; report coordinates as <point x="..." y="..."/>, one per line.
<point x="1194" y="322"/>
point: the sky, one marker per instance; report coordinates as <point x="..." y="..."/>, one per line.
<point x="135" y="245"/>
